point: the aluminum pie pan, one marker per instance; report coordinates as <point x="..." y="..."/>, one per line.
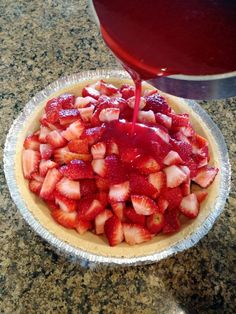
<point x="83" y="256"/>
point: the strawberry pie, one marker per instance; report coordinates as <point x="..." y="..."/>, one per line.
<point x="98" y="173"/>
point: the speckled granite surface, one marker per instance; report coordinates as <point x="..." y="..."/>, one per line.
<point x="41" y="41"/>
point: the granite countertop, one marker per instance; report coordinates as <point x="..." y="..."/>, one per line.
<point x="40" y="42"/>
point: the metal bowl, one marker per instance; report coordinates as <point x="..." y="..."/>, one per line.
<point x="89" y="247"/>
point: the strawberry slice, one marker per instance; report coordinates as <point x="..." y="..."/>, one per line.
<point x="179" y="119"/>
<point x="90" y="209"/>
<point x="146" y="164"/>
<point x="146" y="117"/>
<point x="45" y="165"/>
<point x="172" y="158"/>
<point x="164" y="120"/>
<point x="102" y="184"/>
<point x="78" y="146"/>
<point x="69" y="188"/>
<point x="36" y="176"/>
<point x="157" y="180"/>
<point x="162" y="205"/>
<point x="87" y="187"/>
<point x="205" y="176"/>
<point x="45" y="151"/>
<point x="99" y="167"/>
<point x="172" y="196"/>
<point x="86" y="113"/>
<point x="49" y="183"/>
<point x="109" y="114"/>
<point x="142" y="103"/>
<point x="143" y="205"/>
<point x="107" y="89"/>
<point x="32" y="142"/>
<point x="119" y="192"/>
<point x="189" y="206"/>
<point x="44" y="131"/>
<point x="74" y="130"/>
<point x="100" y="220"/>
<point x="112" y="148"/>
<point x="135" y="234"/>
<point x="118" y="209"/>
<point x="127" y="91"/>
<point x="155" y="222"/>
<point x="135" y="218"/>
<point x="186" y="187"/>
<point x="35" y="186"/>
<point x="66" y="204"/>
<point x="200" y="145"/>
<point x="174" y="176"/>
<point x="115" y="171"/>
<point x="98" y="150"/>
<point x="201" y="195"/>
<point x="91" y="92"/>
<point x="77" y="169"/>
<point x="182" y="148"/>
<point x="55" y="139"/>
<point x="82" y="225"/>
<point x="113" y="231"/>
<point x="66" y="219"/>
<point x="67" y="116"/>
<point x="30" y="162"/>
<point x="64" y="156"/>
<point x="93" y="135"/>
<point x="139" y="185"/>
<point x="52" y="109"/>
<point x="157" y="103"/>
<point x="103" y="198"/>
<point x="163" y="135"/>
<point x="172" y="223"/>
<point x="67" y="101"/>
<point x="82" y="102"/>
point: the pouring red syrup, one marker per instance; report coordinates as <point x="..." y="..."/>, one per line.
<point x="156" y="38"/>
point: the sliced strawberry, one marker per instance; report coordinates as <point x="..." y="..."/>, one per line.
<point x="172" y="223"/>
<point x="45" y="151"/>
<point x="35" y="186"/>
<point x="189" y="206"/>
<point x="113" y="231"/>
<point x="69" y="188"/>
<point x="45" y="165"/>
<point x="186" y="187"/>
<point x="162" y="205"/>
<point x="55" y="139"/>
<point x="77" y="169"/>
<point x="99" y="167"/>
<point x="103" y="198"/>
<point x="44" y="131"/>
<point x="127" y="91"/>
<point x="87" y="187"/>
<point x="86" y="113"/>
<point x="82" y="225"/>
<point x="49" y="183"/>
<point x="119" y="192"/>
<point x="52" y="204"/>
<point x="36" y="176"/>
<point x="64" y="156"/>
<point x="82" y="102"/>
<point x="163" y="135"/>
<point x="67" y="116"/>
<point x="164" y="120"/>
<point x="52" y="126"/>
<point x="172" y="158"/>
<point x="100" y="220"/>
<point x="66" y="204"/>
<point x="112" y="148"/>
<point x="108" y="89"/>
<point x="115" y="170"/>
<point x="185" y="169"/>
<point x="143" y="205"/>
<point x="146" y="164"/>
<point x="200" y="161"/>
<point x="142" y="103"/>
<point x="92" y="135"/>
<point x="52" y="109"/>
<point x="157" y="180"/>
<point x="157" y="103"/>
<point x="182" y="148"/>
<point x="30" y="162"/>
<point x="109" y="114"/>
<point x="66" y="219"/>
<point x="201" y="195"/>
<point x="102" y="184"/>
<point x="118" y="209"/>
<point x="146" y="117"/>
<point x="200" y="145"/>
<point x="67" y="101"/>
<point x="187" y="131"/>
<point x="174" y="176"/>
<point x="134" y="218"/>
<point x="205" y="176"/>
<point x="179" y="136"/>
<point x="139" y="185"/>
<point x="98" y="150"/>
<point x="74" y="130"/>
<point x="135" y="234"/>
<point x="32" y="142"/>
<point x="155" y="222"/>
<point x="179" y="119"/>
<point x="78" y="146"/>
<point x="91" y="92"/>
<point x="173" y="197"/>
<point x="90" y="212"/>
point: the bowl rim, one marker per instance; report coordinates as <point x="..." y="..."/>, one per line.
<point x="190" y="240"/>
